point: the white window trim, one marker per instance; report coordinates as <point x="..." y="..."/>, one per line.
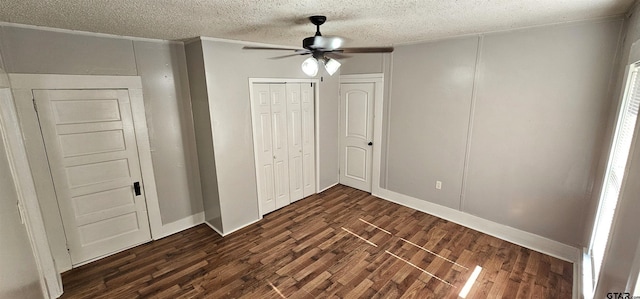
<point x="590" y="278"/>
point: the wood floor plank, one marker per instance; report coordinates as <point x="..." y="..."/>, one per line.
<point x="341" y="243"/>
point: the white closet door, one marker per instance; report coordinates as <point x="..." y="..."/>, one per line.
<point x="263" y="140"/>
<point x="90" y="142"/>
<point x="308" y="139"/>
<point x="280" y="144"/>
<point x="284" y="142"/>
<point x="294" y="129"/>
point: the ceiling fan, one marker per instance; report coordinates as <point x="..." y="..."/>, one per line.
<point x="323" y="50"/>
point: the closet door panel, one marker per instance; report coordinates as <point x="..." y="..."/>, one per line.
<point x="263" y="146"/>
<point x="307" y="96"/>
<point x="294" y="130"/>
<point x="280" y="145"/>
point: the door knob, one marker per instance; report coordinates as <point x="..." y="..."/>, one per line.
<point x="370" y="143"/>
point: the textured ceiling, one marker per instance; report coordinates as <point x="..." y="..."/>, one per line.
<point x="284" y="22"/>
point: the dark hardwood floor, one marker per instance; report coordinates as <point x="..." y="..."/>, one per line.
<point x="342" y="243"/>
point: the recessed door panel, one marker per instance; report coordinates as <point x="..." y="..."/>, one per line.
<point x="356" y="162"/>
<point x="92" y="143"/>
<point x="357" y="109"/>
<point x="98" y="232"/>
<point x="102" y="201"/>
<point x="95" y="173"/>
<point x="83" y="111"/>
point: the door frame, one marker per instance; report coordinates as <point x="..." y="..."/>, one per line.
<point x="378" y="98"/>
<point x="28" y="204"/>
<point x="316" y="111"/>
<point x="22" y="86"/>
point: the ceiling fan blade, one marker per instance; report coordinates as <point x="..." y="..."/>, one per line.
<point x="269" y="48"/>
<point x="336" y="55"/>
<point x="365" y="50"/>
<point x="290" y="55"/>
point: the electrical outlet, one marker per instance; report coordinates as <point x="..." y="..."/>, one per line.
<point x="438" y="185"/>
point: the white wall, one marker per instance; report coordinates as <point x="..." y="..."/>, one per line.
<point x="19" y="276"/>
<point x="228" y="69"/>
<point x="162" y="67"/>
<point x="537" y="101"/>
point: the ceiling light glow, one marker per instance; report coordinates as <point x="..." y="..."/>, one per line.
<point x="332" y="66"/>
<point x="310" y="66"/>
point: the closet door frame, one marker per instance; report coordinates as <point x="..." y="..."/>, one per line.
<point x="316" y="83"/>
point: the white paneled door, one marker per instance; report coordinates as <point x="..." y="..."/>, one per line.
<point x="356" y="134"/>
<point x="261" y="107"/>
<point x="294" y="127"/>
<point x="308" y="139"/>
<point x="284" y="134"/>
<point x="92" y="152"/>
<point x="280" y="145"/>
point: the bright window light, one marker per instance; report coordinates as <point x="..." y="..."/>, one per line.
<point x="472" y="279"/>
<point x="310" y="66"/>
<point x="615" y="172"/>
<point x="332" y="66"/>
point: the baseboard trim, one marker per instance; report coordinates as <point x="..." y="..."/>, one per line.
<point x="577" y="278"/>
<point x="507" y="233"/>
<point x="330" y="186"/>
<point x="180" y="225"/>
<point x="233" y="230"/>
<point x="214" y="228"/>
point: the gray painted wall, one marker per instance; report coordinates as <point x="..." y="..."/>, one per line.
<point x="162" y="67"/>
<point x="228" y="69"/>
<point x="541" y="109"/>
<point x="429" y="118"/>
<point x="540" y="100"/>
<point x="19" y="276"/>
<point x="165" y="84"/>
<point x="203" y="131"/>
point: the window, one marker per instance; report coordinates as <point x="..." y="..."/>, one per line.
<point x="615" y="171"/>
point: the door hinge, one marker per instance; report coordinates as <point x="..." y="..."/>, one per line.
<point x="21" y="213"/>
<point x="35" y="106"/>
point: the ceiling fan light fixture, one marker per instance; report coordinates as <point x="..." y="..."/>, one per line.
<point x="310" y="67"/>
<point x="332" y="66"/>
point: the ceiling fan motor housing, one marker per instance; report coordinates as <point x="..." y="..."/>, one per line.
<point x="308" y="42"/>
